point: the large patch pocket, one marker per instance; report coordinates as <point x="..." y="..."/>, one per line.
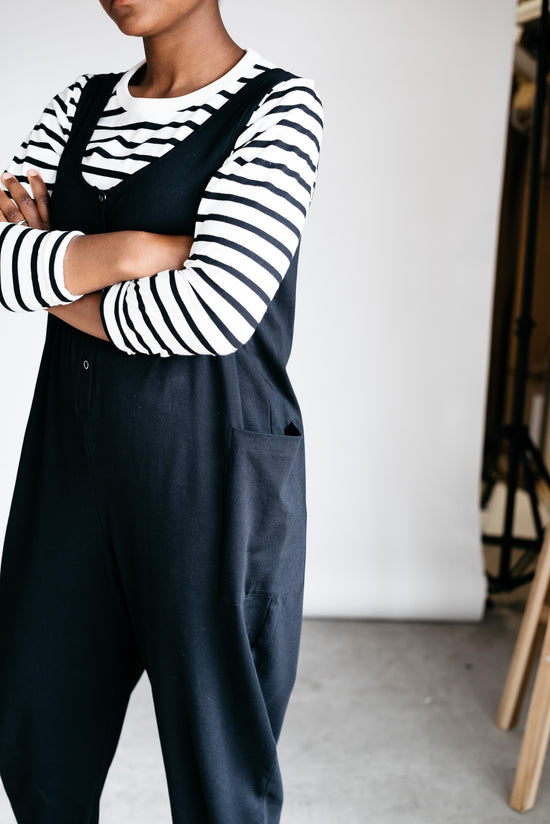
<point x="263" y="549"/>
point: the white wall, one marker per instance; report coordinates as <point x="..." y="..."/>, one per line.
<point x="392" y="334"/>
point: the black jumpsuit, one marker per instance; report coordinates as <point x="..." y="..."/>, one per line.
<point x="158" y="523"/>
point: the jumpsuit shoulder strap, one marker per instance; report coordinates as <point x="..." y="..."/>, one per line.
<point x="255" y="89"/>
<point x="239" y="108"/>
<point x="91" y="103"/>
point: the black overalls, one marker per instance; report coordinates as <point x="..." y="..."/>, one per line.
<point x="157" y="522"/>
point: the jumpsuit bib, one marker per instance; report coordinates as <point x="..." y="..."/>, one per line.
<point x="157" y="522"/>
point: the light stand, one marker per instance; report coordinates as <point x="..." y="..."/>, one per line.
<point x="522" y="451"/>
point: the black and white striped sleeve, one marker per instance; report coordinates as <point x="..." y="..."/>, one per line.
<point x="248" y="228"/>
<point x="31" y="260"/>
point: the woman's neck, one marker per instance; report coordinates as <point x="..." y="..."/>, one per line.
<point x="180" y="61"/>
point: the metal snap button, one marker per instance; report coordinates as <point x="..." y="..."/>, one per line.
<point x="86" y="364"/>
<point x="102" y="197"/>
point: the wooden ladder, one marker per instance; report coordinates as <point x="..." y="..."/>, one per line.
<point x="534" y="629"/>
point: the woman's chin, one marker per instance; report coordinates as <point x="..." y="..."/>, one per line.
<point x="130" y="20"/>
<point x="135" y="30"/>
<point x="133" y="26"/>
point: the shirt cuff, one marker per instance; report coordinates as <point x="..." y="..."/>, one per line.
<point x="32" y="267"/>
<point x="59" y="249"/>
<point x="107" y="311"/>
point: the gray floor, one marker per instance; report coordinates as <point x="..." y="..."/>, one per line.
<point x="389" y="722"/>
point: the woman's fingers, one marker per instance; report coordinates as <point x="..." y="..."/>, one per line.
<point x="25" y="205"/>
<point x="10" y="212"/>
<point x="41" y="196"/>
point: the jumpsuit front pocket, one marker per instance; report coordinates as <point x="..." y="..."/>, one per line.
<point x="263" y="547"/>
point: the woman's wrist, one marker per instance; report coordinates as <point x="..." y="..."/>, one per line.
<point x="92" y="262"/>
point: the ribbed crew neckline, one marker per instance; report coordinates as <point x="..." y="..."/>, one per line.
<point x="159" y="107"/>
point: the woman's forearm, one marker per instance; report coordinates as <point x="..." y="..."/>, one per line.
<point x="97" y="261"/>
<point x="93" y="262"/>
<point x="83" y="314"/>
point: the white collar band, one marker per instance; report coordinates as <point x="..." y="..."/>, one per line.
<point x="153" y="108"/>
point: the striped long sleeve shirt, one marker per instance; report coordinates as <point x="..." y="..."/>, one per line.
<point x="258" y="199"/>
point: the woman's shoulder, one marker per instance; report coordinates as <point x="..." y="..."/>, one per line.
<point x="293" y="94"/>
<point x="295" y="79"/>
<point x="72" y="91"/>
<point x="64" y="103"/>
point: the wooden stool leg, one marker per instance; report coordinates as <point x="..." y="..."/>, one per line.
<point x="535" y="737"/>
<point x="527" y="643"/>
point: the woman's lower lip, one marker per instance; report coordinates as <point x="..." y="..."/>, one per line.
<point x="121" y="2"/>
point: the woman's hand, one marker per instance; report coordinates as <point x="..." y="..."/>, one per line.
<point x="22" y="206"/>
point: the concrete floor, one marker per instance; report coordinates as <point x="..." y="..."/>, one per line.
<point x="389" y="723"/>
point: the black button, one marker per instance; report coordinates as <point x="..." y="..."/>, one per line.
<point x="102" y="196"/>
<point x="86" y="364"/>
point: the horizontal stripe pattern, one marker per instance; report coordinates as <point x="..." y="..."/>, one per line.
<point x="31" y="260"/>
<point x="249" y="222"/>
<point x="31" y="267"/>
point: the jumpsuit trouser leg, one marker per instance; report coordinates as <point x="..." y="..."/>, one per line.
<point x="68" y="653"/>
<point x="161" y="538"/>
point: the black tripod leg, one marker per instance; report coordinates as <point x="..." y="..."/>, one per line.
<point x="538" y="461"/>
<point x="504" y="581"/>
<point x="489" y="474"/>
<point x="492" y="443"/>
<point x="522" y="565"/>
<point x="490" y="484"/>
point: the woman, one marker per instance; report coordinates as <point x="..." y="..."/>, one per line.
<point x="158" y="517"/>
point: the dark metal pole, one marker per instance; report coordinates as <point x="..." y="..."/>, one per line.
<point x="525" y="321"/>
